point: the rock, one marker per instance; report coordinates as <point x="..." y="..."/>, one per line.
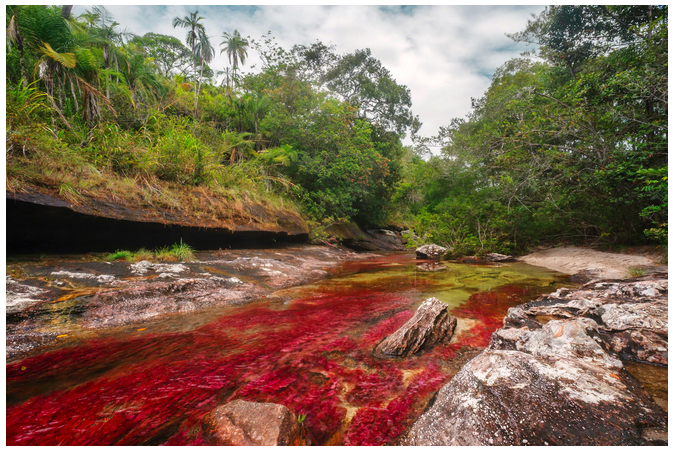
<point x="584" y="276"/>
<point x="386" y="239"/>
<point x="141" y="268"/>
<point x="353" y="237"/>
<point x="430" y="251"/>
<point x="514" y="398"/>
<point x="103" y="278"/>
<point x="631" y="317"/>
<point x="495" y="257"/>
<point x="430" y="325"/>
<point x="243" y="423"/>
<point x="560" y="383"/>
<point x="130" y="223"/>
<point x="21" y="296"/>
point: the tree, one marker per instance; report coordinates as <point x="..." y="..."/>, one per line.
<point x="14" y="36"/>
<point x="572" y="146"/>
<point x="202" y="51"/>
<point x="168" y="54"/>
<point x="236" y="48"/>
<point x="569" y="35"/>
<point x="361" y="80"/>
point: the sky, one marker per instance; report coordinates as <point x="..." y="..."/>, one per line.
<point x="445" y="55"/>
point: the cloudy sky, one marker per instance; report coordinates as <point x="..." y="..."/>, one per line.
<point x="444" y="54"/>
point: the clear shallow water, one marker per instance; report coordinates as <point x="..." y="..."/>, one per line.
<point x="308" y="348"/>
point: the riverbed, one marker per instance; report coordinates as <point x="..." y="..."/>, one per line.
<point x="306" y="344"/>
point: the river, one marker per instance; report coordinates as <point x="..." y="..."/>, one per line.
<point x="307" y="347"/>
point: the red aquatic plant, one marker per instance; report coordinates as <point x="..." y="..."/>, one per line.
<point x="313" y="356"/>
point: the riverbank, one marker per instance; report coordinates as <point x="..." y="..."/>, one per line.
<point x="592" y="264"/>
<point x="53" y="302"/>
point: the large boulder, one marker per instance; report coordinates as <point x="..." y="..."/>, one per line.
<point x="430" y="251"/>
<point x="387" y="239"/>
<point x="353" y="237"/>
<point x="243" y="423"/>
<point x="430" y="325"/>
<point x="555" y="386"/>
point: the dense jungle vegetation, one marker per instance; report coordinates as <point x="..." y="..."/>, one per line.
<point x="568" y="143"/>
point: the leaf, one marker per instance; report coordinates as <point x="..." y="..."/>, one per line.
<point x="68" y="60"/>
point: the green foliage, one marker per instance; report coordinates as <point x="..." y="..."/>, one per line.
<point x="121" y="255"/>
<point x="635" y="272"/>
<point x="571" y="148"/>
<point x="179" y="251"/>
<point x="182" y="251"/>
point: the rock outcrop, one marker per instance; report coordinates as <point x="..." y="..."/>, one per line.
<point x="243" y="423"/>
<point x="431" y="251"/>
<point x="506" y="397"/>
<point x="353" y="237"/>
<point x="430" y="325"/>
<point x="631" y="317"/>
<point x="561" y="382"/>
<point x="124" y="224"/>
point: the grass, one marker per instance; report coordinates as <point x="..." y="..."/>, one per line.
<point x="179" y="251"/>
<point x="636" y="272"/>
<point x="121" y="255"/>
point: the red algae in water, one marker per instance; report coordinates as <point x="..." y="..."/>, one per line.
<point x="312" y="357"/>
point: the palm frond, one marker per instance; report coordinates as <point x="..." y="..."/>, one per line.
<point x="68" y="60"/>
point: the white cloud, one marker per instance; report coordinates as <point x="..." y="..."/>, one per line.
<point x="444" y="54"/>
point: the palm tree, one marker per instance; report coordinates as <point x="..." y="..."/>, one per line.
<point x="236" y="48"/>
<point x="62" y="60"/>
<point x="103" y="33"/>
<point x="191" y="22"/>
<point x="140" y="77"/>
<point x="204" y="53"/>
<point x="201" y="49"/>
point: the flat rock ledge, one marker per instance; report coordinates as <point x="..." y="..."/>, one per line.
<point x="631" y="317"/>
<point x="431" y="251"/>
<point x="430" y="325"/>
<point x="562" y="382"/>
<point x="244" y="423"/>
<point x="495" y="257"/>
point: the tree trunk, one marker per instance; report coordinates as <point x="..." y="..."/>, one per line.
<point x="22" y="57"/>
<point x="65" y="11"/>
<point x="74" y="97"/>
<point x="196" y="91"/>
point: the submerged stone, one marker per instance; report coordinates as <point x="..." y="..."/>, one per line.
<point x="244" y="423"/>
<point x="431" y="325"/>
